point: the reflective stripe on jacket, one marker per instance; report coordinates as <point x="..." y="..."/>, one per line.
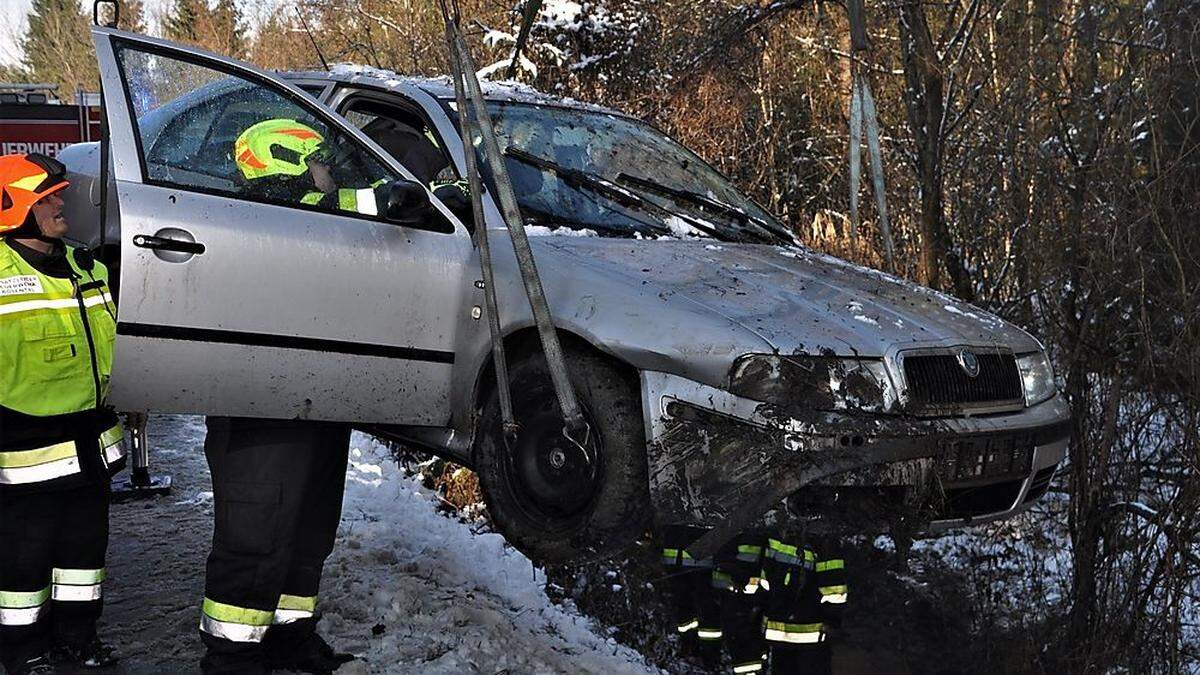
<point x="56" y="351"/>
<point x="354" y="200"/>
<point x="56" y="337"/>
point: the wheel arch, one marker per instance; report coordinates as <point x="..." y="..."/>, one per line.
<point x="524" y="341"/>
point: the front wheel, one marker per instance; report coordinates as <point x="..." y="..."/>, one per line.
<point x="553" y="500"/>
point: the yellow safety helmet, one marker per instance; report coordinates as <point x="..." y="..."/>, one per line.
<point x="277" y="147"/>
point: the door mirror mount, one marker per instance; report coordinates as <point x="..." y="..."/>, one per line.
<point x="458" y="201"/>
<point x="408" y="203"/>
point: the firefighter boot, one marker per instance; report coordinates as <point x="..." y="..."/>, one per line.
<point x="37" y="665"/>
<point x="297" y="646"/>
<point x="93" y="654"/>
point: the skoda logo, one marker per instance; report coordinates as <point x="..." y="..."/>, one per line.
<point x="968" y="362"/>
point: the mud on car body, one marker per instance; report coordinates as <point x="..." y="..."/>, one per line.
<point x="727" y="373"/>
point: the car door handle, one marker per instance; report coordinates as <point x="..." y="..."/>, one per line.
<point x="164" y="244"/>
<point x="170" y="244"/>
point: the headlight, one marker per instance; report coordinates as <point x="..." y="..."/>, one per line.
<point x="813" y="382"/>
<point x="1037" y="376"/>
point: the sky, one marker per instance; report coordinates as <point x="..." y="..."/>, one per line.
<point x="12" y="23"/>
<point x="13" y="12"/>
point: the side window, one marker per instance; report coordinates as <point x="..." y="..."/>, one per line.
<point x="206" y="130"/>
<point x="406" y="137"/>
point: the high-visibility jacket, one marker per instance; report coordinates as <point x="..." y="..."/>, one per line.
<point x="56" y="353"/>
<point x="355" y="200"/>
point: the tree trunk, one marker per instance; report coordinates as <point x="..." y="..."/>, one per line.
<point x="925" y="101"/>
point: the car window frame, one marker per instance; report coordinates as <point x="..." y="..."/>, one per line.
<point x="303" y="99"/>
<point x="347" y="96"/>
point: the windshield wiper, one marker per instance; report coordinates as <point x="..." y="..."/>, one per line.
<point x="604" y="188"/>
<point x="705" y="202"/>
<point x="536" y="216"/>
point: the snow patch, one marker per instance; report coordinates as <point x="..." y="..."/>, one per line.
<point x="682" y="228"/>
<point x="544" y="231"/>
<point x="410" y="590"/>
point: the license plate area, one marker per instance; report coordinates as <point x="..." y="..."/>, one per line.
<point x="986" y="459"/>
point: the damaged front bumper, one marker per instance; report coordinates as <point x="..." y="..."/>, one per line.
<point x="718" y="460"/>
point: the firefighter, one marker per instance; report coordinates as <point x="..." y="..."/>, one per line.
<point x="717" y="601"/>
<point x="697" y="609"/>
<point x="737" y="577"/>
<point x="59" y="443"/>
<point x="805" y="598"/>
<point x="290" y="161"/>
<point x="277" y="484"/>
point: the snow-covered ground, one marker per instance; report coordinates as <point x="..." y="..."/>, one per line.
<point x="408" y="590"/>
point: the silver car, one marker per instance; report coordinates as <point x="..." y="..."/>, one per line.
<point x="729" y="375"/>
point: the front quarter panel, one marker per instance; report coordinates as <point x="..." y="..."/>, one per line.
<point x="636" y="322"/>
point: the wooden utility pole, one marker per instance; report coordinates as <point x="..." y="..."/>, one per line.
<point x="863" y="118"/>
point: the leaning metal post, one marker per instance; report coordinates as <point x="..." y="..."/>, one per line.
<point x="464" y="69"/>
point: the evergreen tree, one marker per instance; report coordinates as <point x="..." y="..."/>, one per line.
<point x="228" y="30"/>
<point x="133" y="16"/>
<point x="182" y="20"/>
<point x="58" y="48"/>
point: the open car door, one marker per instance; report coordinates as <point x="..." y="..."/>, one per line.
<point x="264" y="282"/>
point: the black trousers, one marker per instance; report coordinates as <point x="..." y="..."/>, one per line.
<point x="277" y="494"/>
<point x="52" y="549"/>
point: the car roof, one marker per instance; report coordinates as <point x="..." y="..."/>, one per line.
<point x="442" y="87"/>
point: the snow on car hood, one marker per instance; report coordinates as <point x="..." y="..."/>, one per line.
<point x="797" y="300"/>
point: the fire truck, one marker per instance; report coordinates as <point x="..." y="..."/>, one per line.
<point x="33" y="119"/>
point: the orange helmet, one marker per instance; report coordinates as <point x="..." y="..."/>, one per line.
<point x="24" y="181"/>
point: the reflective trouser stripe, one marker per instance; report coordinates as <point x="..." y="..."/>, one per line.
<point x="796" y="633"/>
<point x="234" y="632"/>
<point x="22" y="608"/>
<point x="835" y="595"/>
<point x="688" y="625"/>
<point x="55" y="461"/>
<point x="65" y="593"/>
<point x="748" y="667"/>
<point x="283" y="616"/>
<point x="237" y="624"/>
<point x="111" y="442"/>
<point x="20" y="459"/>
<point x="79" y="577"/>
<point x="826" y="565"/>
<point x="24" y="616"/>
<point x="77" y="585"/>
<point x="709" y="633"/>
<point x="42" y="472"/>
<point x="293" y="608"/>
<point x="33" y="466"/>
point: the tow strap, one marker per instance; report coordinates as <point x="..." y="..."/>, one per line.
<point x="474" y="120"/>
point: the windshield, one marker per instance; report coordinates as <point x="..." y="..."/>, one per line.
<point x="588" y="170"/>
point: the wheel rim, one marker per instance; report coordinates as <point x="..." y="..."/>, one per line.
<point x="551" y="475"/>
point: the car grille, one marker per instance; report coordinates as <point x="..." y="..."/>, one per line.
<point x="937" y="383"/>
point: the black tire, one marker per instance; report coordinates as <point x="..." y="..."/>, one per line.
<point x="544" y="496"/>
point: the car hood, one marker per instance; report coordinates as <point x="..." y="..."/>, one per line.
<point x="797" y="300"/>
